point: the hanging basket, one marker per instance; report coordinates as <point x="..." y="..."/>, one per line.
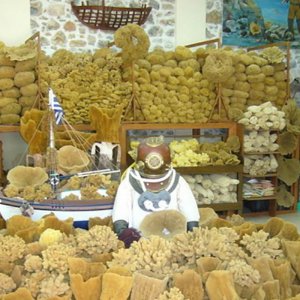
<point x="109" y="17"/>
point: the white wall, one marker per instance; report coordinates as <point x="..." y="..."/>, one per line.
<point x="14" y="30"/>
<point x="190" y="21"/>
<point x="14" y="21"/>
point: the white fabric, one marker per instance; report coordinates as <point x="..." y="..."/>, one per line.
<point x="126" y="203"/>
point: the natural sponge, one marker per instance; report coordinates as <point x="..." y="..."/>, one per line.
<point x="163" y="223"/>
<point x="218" y="66"/>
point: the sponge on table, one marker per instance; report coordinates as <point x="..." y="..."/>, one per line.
<point x="190" y="284"/>
<point x="115" y="287"/>
<point x="147" y="288"/>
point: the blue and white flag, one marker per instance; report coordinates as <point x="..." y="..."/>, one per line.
<point x="56" y="107"/>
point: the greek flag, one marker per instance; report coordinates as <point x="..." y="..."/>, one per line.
<point x="56" y="107"/>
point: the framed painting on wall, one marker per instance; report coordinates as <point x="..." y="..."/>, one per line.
<point x="249" y="23"/>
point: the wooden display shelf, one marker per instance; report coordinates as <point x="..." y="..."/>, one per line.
<point x="210" y="169"/>
<point x="224" y="206"/>
<point x="260" y="176"/>
<point x="136" y="131"/>
<point x="256" y="214"/>
<point x="9" y="128"/>
<point x="271" y="197"/>
<point x="16" y="128"/>
<point x="273" y="207"/>
<point x="231" y="127"/>
<point x="260" y="153"/>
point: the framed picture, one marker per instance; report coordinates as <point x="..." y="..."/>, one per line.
<point x="250" y="23"/>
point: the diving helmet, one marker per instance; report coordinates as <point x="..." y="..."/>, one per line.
<point x="153" y="157"/>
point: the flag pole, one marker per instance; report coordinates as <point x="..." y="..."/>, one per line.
<point x="51" y="125"/>
<point x="51" y="157"/>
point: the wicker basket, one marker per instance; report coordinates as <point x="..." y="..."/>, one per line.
<point x="110" y="17"/>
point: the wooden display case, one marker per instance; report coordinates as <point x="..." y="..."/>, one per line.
<point x="138" y="131"/>
<point x="268" y="204"/>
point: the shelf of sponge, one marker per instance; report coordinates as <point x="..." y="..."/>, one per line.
<point x="215" y="189"/>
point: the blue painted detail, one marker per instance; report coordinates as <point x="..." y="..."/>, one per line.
<point x="81" y="224"/>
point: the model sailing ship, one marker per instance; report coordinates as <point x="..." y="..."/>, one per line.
<point x="38" y="191"/>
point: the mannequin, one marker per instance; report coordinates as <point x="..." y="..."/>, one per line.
<point x="151" y="186"/>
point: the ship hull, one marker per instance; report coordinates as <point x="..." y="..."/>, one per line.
<point x="80" y="210"/>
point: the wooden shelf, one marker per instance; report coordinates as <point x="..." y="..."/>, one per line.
<point x="16" y="128"/>
<point x="258" y="214"/>
<point x="260" y="176"/>
<point x="231" y="127"/>
<point x="273" y="207"/>
<point x="9" y="128"/>
<point x="224" y="206"/>
<point x="272" y="197"/>
<point x="79" y="127"/>
<point x="210" y="169"/>
<point x="261" y="153"/>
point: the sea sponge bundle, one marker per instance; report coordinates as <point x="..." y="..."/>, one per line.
<point x="288" y="169"/>
<point x="133" y="41"/>
<point x="264" y="116"/>
<point x="260" y="165"/>
<point x="170" y="87"/>
<point x="21" y="176"/>
<point x="166" y="224"/>
<point x="260" y="76"/>
<point x="106" y="122"/>
<point x="84" y="79"/>
<point x="18" y="79"/>
<point x="260" y="141"/>
<point x="29" y="183"/>
<point x="34" y="131"/>
<point x="31" y="131"/>
<point x="218" y="66"/>
<point x="287" y="143"/>
<point x="264" y="261"/>
<point x="189" y="152"/>
<point x="72" y="160"/>
<point x="292" y="113"/>
<point x="216" y="188"/>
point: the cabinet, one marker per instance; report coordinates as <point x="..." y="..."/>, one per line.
<point x="202" y="132"/>
<point x="265" y="203"/>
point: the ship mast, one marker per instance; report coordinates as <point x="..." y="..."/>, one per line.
<point x="51" y="151"/>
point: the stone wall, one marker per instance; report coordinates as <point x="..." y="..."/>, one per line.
<point x="59" y="27"/>
<point x="214" y="9"/>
